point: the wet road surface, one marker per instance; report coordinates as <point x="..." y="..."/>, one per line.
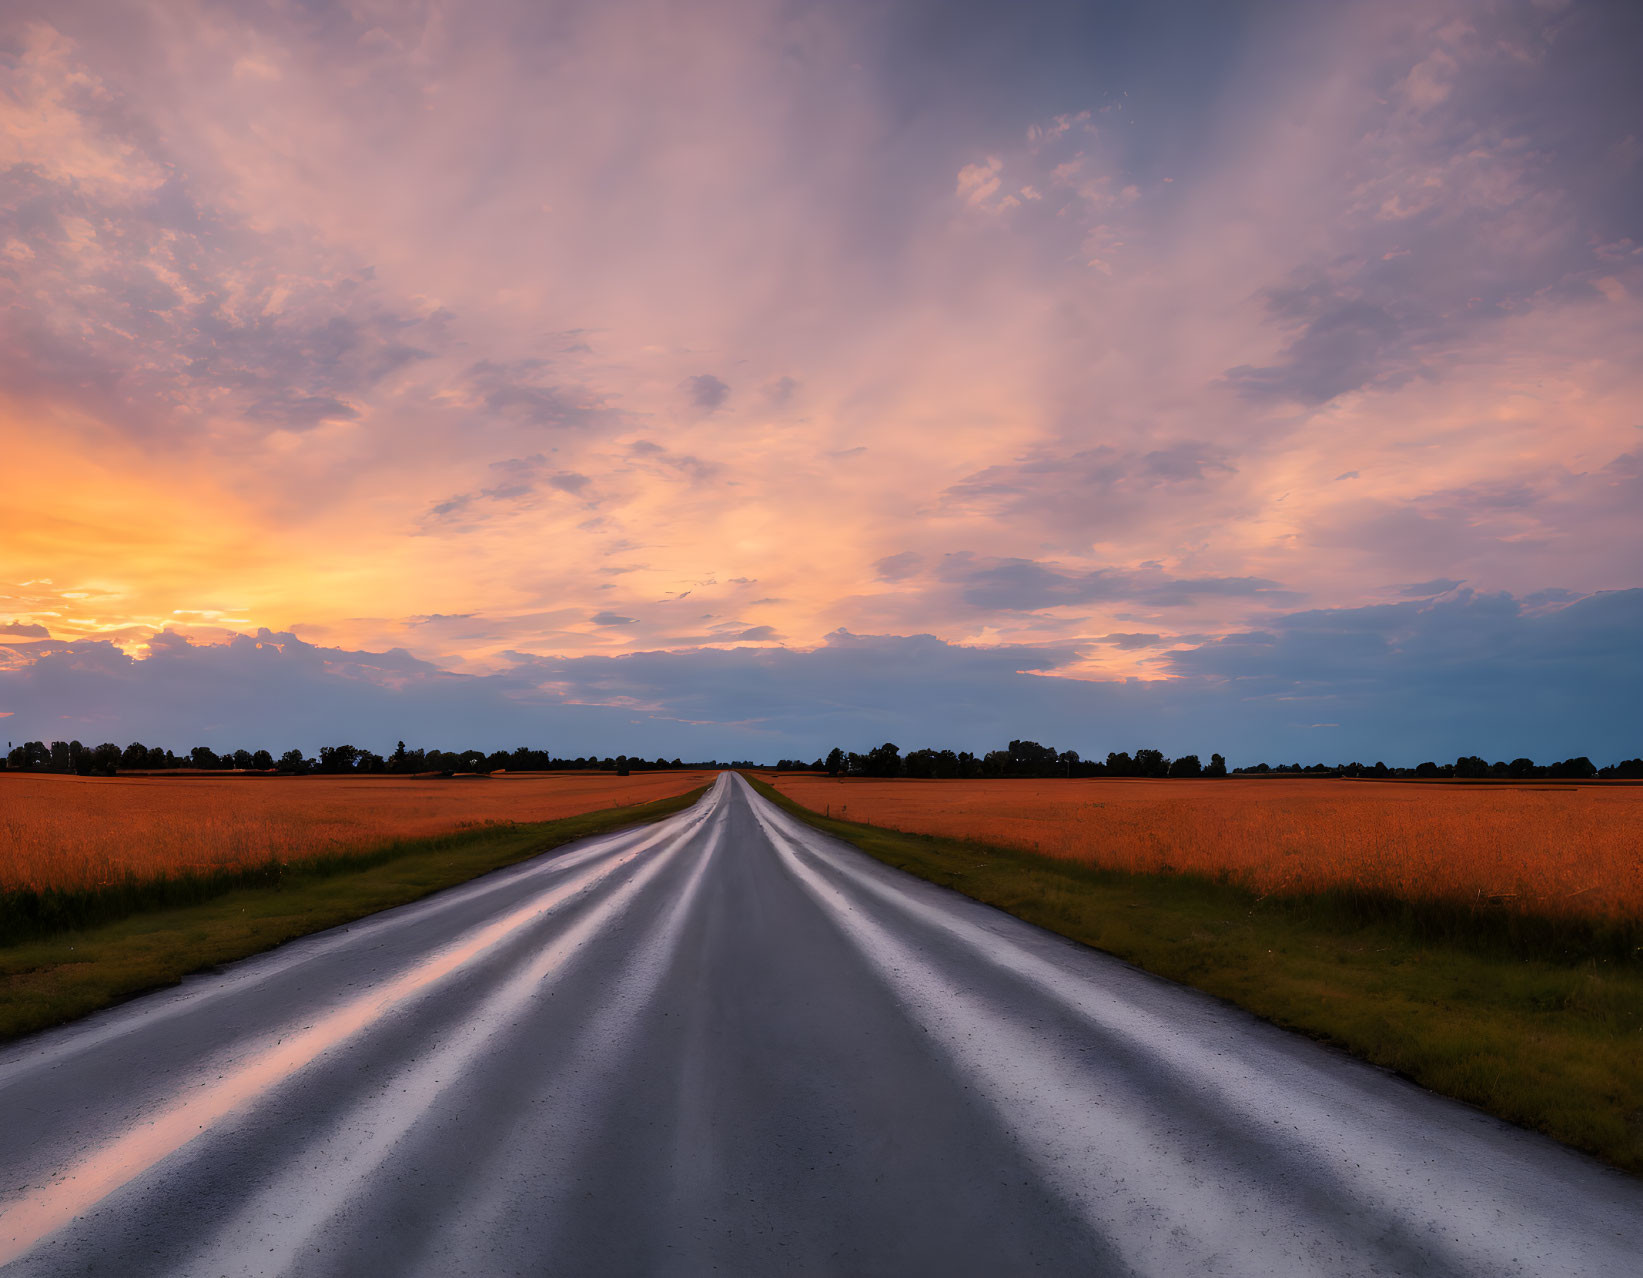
<point x="728" y="1044"/>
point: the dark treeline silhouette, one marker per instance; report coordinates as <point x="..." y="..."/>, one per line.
<point x="1029" y="759"/>
<point x="108" y="759"/>
<point x="1469" y="767"/>
<point x="1020" y="759"/>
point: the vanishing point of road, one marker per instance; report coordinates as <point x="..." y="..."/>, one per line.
<point x="727" y="1044"/>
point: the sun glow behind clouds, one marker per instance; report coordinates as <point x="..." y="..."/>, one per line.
<point x="659" y="327"/>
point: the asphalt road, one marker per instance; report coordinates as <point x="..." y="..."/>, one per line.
<point x="727" y="1044"/>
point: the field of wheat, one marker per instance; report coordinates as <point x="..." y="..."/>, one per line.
<point x="69" y="833"/>
<point x="1553" y="851"/>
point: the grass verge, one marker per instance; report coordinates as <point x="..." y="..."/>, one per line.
<point x="56" y="978"/>
<point x="1549" y="1044"/>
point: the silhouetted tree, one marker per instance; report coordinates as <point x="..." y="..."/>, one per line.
<point x="339" y="758"/>
<point x="1151" y="763"/>
<point x="1186" y="766"/>
<point x="884" y="761"/>
<point x="1028" y="758"/>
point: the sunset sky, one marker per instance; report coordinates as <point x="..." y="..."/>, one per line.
<point x="740" y="378"/>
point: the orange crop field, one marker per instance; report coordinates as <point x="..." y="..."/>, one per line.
<point x="1562" y="851"/>
<point x="67" y="833"/>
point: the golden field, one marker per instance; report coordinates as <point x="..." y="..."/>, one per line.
<point x="1561" y="851"/>
<point x="71" y="833"/>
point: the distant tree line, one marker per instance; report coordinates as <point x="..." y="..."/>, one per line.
<point x="1019" y="759"/>
<point x="1469" y="767"/>
<point x="108" y="759"/>
<point x="1029" y="759"/>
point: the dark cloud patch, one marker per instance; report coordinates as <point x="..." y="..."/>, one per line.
<point x="707" y="392"/>
<point x="523" y="478"/>
<point x="1187" y="460"/>
<point x="697" y="470"/>
<point x="1131" y="642"/>
<point x="451" y="506"/>
<point x="758" y="634"/>
<point x="567" y="481"/>
<point x="780" y="391"/>
<point x="518" y="390"/>
<point x="528" y="466"/>
<point x="1343" y="343"/>
<point x="897" y="567"/>
<point x="299" y="412"/>
<point x="23" y="630"/>
<point x="1092" y="490"/>
<point x="611" y="619"/>
<point x="1025" y="585"/>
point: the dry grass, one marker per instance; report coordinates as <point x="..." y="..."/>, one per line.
<point x="72" y="834"/>
<point x="1553" y="852"/>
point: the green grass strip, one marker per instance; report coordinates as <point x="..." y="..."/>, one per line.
<point x="54" y="979"/>
<point x="1550" y="1045"/>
